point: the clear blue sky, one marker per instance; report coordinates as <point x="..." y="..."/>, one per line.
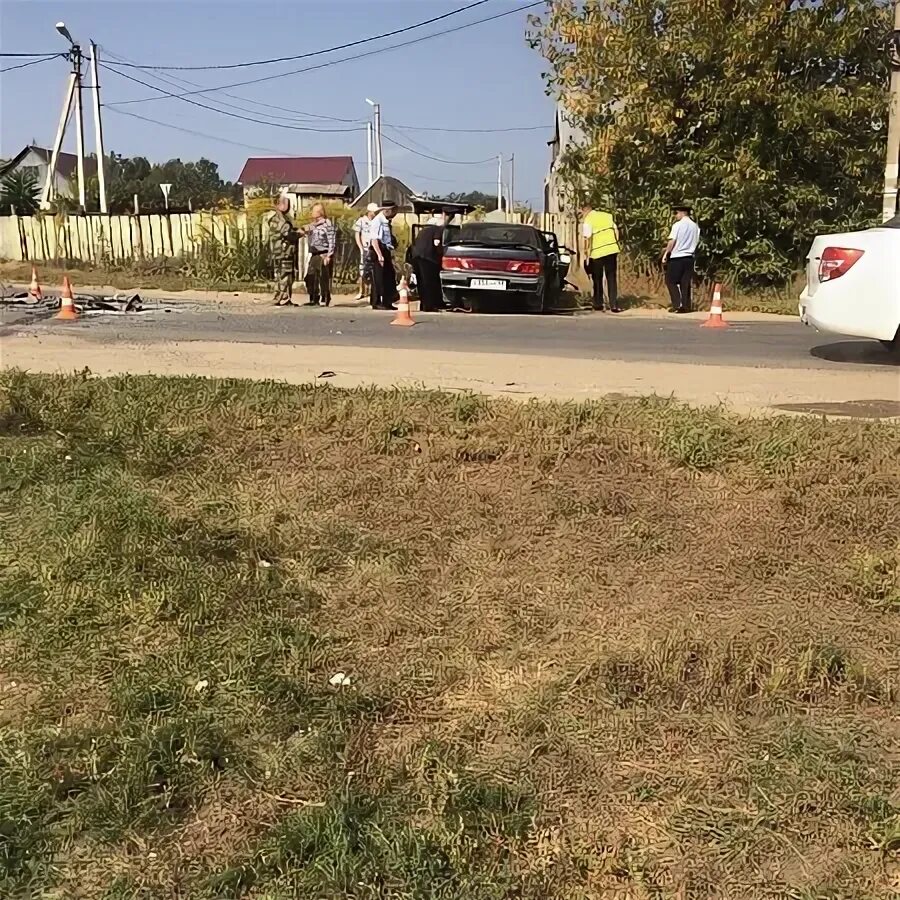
<point x="484" y="77"/>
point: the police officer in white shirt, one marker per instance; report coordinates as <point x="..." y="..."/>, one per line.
<point x="678" y="258"/>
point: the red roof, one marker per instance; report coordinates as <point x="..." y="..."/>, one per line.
<point x="296" y="169"/>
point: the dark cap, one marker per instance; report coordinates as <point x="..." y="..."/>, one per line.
<point x="681" y="207"/>
<point x="388" y="204"/>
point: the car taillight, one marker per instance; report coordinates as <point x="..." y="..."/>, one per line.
<point x="524" y="268"/>
<point x="837" y="261"/>
<point x="519" y="266"/>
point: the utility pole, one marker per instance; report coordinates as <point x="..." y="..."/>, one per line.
<point x="892" y="162"/>
<point x="47" y="193"/>
<point x="512" y="183"/>
<point x="73" y="94"/>
<point x="370" y="176"/>
<point x="98" y="129"/>
<point x="79" y="126"/>
<point x="500" y="182"/>
<point x="379" y="166"/>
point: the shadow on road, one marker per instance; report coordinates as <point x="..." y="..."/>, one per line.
<point x="863" y="353"/>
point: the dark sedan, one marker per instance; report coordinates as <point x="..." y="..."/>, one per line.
<point x="504" y="264"/>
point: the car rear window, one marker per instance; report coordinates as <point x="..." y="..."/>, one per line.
<point x="498" y="233"/>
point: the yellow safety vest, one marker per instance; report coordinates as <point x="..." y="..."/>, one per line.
<point x="603" y="234"/>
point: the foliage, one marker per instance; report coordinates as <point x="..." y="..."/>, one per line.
<point x="21" y="191"/>
<point x="488" y="202"/>
<point x="769" y="116"/>
<point x="194" y="184"/>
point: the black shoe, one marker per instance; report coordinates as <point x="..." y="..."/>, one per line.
<point x="681" y="310"/>
<point x="615" y="309"/>
<point x="672" y="309"/>
<point x="311" y="303"/>
<point x="327" y="302"/>
<point x="599" y="309"/>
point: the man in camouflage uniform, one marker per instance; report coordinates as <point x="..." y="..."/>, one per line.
<point x="283" y="238"/>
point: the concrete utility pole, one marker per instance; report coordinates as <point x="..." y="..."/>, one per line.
<point x="370" y="171"/>
<point x="98" y="130"/>
<point x="73" y="94"/>
<point x="379" y="166"/>
<point x="512" y="183"/>
<point x="500" y="182"/>
<point x="892" y="162"/>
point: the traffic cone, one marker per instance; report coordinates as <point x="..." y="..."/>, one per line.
<point x="714" y="319"/>
<point x="67" y="309"/>
<point x="403" y="317"/>
<point x="34" y="291"/>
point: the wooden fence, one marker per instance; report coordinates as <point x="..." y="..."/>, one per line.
<point x="99" y="239"/>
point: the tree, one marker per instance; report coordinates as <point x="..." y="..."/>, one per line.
<point x="197" y="184"/>
<point x="21" y="191"/>
<point x="768" y="115"/>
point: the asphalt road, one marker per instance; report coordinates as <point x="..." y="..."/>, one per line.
<point x="590" y="336"/>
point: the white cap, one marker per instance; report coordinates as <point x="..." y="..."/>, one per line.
<point x="373" y="207"/>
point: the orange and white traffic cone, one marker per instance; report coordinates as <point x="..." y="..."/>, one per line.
<point x="67" y="309"/>
<point x="403" y="317"/>
<point x="714" y="319"/>
<point x="34" y="291"/>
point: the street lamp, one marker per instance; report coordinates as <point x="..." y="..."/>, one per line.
<point x="61" y="28"/>
<point x="376" y="107"/>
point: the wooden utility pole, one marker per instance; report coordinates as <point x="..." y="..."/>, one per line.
<point x="892" y="161"/>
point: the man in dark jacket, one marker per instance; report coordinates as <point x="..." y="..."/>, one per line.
<point x="427" y="253"/>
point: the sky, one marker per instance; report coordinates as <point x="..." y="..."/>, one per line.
<point x="483" y="77"/>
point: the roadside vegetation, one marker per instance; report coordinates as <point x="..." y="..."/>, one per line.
<point x="263" y="641"/>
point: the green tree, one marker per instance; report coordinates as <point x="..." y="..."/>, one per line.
<point x="769" y="115"/>
<point x="21" y="191"/>
<point x="197" y="184"/>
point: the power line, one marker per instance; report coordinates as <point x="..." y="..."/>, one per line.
<point x="33" y="62"/>
<point x="212" y="137"/>
<point x="223" y="112"/>
<point x="333" y="62"/>
<point x="27" y="55"/>
<point x="280" y="59"/>
<point x="451" y="162"/>
<point x="248" y="103"/>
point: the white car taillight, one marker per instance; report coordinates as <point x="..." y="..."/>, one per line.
<point x="837" y="261"/>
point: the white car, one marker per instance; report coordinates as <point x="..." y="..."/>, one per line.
<point x="853" y="284"/>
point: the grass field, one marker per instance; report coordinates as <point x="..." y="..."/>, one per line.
<point x="272" y="642"/>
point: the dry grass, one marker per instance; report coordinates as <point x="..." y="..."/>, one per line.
<point x="614" y="650"/>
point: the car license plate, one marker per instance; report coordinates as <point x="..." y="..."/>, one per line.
<point x="488" y="284"/>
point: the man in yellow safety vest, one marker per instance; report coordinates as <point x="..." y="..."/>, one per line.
<point x="601" y="254"/>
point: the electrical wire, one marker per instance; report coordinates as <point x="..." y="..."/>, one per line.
<point x="224" y="112"/>
<point x="27" y="55"/>
<point x="450" y="162"/>
<point x="333" y="62"/>
<point x="280" y="59"/>
<point x="191" y="131"/>
<point x="33" y="62"/>
<point x="177" y="82"/>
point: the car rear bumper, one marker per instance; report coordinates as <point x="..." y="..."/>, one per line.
<point x="514" y="285"/>
<point x="829" y="311"/>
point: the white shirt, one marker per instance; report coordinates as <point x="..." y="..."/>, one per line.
<point x="686" y="234"/>
<point x="362" y="227"/>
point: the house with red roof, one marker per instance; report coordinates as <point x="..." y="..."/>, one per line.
<point x="304" y="179"/>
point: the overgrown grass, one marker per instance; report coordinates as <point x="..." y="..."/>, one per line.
<point x="263" y="641"/>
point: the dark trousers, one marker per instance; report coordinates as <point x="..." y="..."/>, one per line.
<point x="428" y="279"/>
<point x="318" y="279"/>
<point x="384" y="280"/>
<point x="680" y="280"/>
<point x="607" y="266"/>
